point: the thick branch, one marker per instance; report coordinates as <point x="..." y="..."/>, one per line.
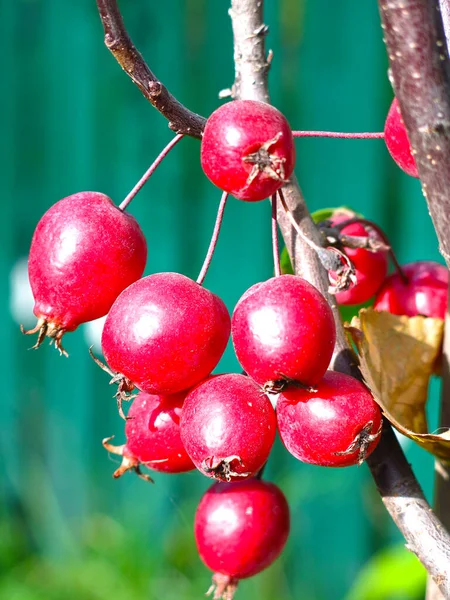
<point x="395" y="481"/>
<point x="420" y="70"/>
<point x="117" y="40"/>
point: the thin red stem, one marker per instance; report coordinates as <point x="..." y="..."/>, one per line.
<point x="149" y="171"/>
<point x="214" y="238"/>
<point x="340" y="134"/>
<point x="275" y="246"/>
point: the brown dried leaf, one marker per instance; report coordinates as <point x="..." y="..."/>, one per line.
<point x="397" y="356"/>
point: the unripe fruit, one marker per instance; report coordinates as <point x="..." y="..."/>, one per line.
<point x="153" y="436"/>
<point x="84" y="252"/>
<point x="228" y="427"/>
<point x="397" y="141"/>
<point x="424" y="292"/>
<point x="370" y="267"/>
<point x="240" y="529"/>
<point x="283" y="328"/>
<point x="165" y="333"/>
<point x="248" y="149"/>
<point x="336" y="425"/>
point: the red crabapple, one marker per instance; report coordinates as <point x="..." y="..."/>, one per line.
<point x="153" y="436"/>
<point x="84" y="252"/>
<point x="397" y="141"/>
<point x="283" y="329"/>
<point x="370" y="267"/>
<point x="165" y="333"/>
<point x="228" y="427"/>
<point x="424" y="292"/>
<point x="336" y="425"/>
<point x="248" y="149"/>
<point x="240" y="529"/>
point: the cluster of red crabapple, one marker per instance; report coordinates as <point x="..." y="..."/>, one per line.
<point x="164" y="334"/>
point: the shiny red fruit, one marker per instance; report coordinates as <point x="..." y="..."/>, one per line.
<point x="240" y="529"/>
<point x="424" y="292"/>
<point x="84" y="252"/>
<point x="228" y="427"/>
<point x="283" y="329"/>
<point x="165" y="333"/>
<point x="370" y="267"/>
<point x="337" y="425"/>
<point x="248" y="149"/>
<point x="153" y="435"/>
<point x="397" y="142"/>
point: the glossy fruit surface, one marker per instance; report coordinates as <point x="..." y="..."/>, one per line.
<point x="165" y="333"/>
<point x="370" y="267"/>
<point x="424" y="292"/>
<point x="241" y="528"/>
<point x="247" y="149"/>
<point x="228" y="427"/>
<point x="283" y="328"/>
<point x="397" y="142"/>
<point x="153" y="433"/>
<point x="336" y="426"/>
<point x="84" y="252"/>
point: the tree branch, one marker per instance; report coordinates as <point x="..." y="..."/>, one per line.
<point x="117" y="40"/>
<point x="393" y="476"/>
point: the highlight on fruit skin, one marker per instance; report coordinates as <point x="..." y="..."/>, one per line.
<point x="397" y="141"/>
<point x="240" y="529"/>
<point x="85" y="251"/>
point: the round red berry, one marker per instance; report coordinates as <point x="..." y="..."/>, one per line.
<point x="248" y="149"/>
<point x="421" y="289"/>
<point x="228" y="427"/>
<point x="165" y="333"/>
<point x="397" y="141"/>
<point x="84" y="252"/>
<point x="370" y="267"/>
<point x="283" y="329"/>
<point x="336" y="425"/>
<point x="240" y="529"/>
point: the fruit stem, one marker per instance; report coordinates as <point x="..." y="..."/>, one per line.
<point x="214" y="238"/>
<point x="340" y="134"/>
<point x="294" y="223"/>
<point x="124" y="204"/>
<point x="275" y="246"/>
<point x="383" y="236"/>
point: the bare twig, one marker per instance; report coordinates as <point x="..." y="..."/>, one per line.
<point x="117" y="40"/>
<point x="393" y="476"/>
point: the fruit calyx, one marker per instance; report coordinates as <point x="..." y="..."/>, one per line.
<point x="129" y="463"/>
<point x="124" y="385"/>
<point x="362" y="442"/>
<point x="276" y="386"/>
<point x="220" y="467"/>
<point x="45" y="328"/>
<point x="223" y="587"/>
<point x="265" y="162"/>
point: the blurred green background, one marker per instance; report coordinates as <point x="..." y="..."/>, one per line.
<point x="72" y="121"/>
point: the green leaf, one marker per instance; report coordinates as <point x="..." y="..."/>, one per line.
<point x="393" y="573"/>
<point x="285" y="263"/>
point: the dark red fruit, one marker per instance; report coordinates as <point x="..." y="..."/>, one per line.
<point x="370" y="267"/>
<point x="283" y="329"/>
<point x="337" y="425"/>
<point x="84" y="252"/>
<point x="228" y="427"/>
<point x="240" y="529"/>
<point x="397" y="141"/>
<point x="165" y="333"/>
<point x="153" y="436"/>
<point x="248" y="149"/>
<point x="424" y="292"/>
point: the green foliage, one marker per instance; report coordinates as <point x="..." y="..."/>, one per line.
<point x="392" y="574"/>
